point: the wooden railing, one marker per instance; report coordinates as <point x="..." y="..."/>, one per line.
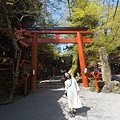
<point x="6" y="64"/>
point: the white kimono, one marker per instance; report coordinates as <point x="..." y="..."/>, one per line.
<point x="72" y="89"/>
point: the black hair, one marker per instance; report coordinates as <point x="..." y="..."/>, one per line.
<point x="68" y="74"/>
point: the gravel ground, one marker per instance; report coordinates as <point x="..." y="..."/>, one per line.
<point x="50" y="104"/>
<point x="96" y="106"/>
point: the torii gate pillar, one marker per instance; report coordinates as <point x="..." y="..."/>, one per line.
<point x="82" y="59"/>
<point x="34" y="61"/>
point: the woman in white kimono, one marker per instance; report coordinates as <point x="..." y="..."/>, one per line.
<point x="72" y="90"/>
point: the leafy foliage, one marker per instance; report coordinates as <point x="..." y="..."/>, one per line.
<point x="46" y="54"/>
<point x="17" y="14"/>
<point x="99" y="18"/>
<point x="22" y="13"/>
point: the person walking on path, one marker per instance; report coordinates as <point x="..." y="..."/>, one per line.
<point x="72" y="91"/>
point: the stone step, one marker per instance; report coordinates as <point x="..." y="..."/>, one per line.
<point x="52" y="83"/>
<point x="56" y="77"/>
<point x="50" y="86"/>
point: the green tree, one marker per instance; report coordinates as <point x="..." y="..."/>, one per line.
<point x="99" y="18"/>
<point x="106" y="34"/>
<point x="83" y="14"/>
<point x="12" y="15"/>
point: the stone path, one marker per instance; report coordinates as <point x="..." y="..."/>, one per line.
<point x="50" y="104"/>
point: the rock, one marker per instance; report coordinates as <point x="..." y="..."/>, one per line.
<point x="116" y="82"/>
<point x="108" y="87"/>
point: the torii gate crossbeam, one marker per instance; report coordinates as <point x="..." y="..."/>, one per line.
<point x="58" y="31"/>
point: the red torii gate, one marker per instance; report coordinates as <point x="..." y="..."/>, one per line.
<point x="58" y="31"/>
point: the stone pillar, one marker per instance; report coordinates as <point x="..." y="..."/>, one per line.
<point x="106" y="71"/>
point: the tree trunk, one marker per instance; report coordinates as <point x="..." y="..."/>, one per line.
<point x="17" y="54"/>
<point x="74" y="61"/>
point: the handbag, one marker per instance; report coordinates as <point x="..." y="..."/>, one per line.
<point x="65" y="93"/>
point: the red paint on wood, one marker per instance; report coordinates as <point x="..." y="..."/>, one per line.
<point x="78" y="40"/>
<point x="60" y="40"/>
<point x="82" y="59"/>
<point x="34" y="61"/>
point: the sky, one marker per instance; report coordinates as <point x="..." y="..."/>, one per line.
<point x="60" y="16"/>
<point x="59" y="12"/>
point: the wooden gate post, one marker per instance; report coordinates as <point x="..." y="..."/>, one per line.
<point x="34" y="61"/>
<point x="82" y="59"/>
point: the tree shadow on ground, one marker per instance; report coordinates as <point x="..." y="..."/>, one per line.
<point x="40" y="105"/>
<point x="83" y="111"/>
